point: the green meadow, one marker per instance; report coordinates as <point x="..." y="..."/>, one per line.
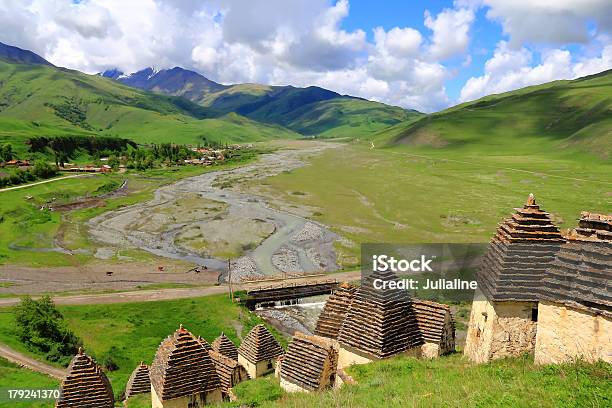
<point x="449" y="381"/>
<point x="131" y="332"/>
<point x="415" y="194"/>
<point x="14" y="377"/>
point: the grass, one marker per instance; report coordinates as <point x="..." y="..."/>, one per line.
<point x="14" y="377"/>
<point x="450" y="381"/>
<point x="131" y="332"/>
<point x="556" y="116"/>
<point x="411" y="194"/>
<point x="35" y="99"/>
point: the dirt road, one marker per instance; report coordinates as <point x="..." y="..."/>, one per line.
<point x="175" y="293"/>
<point x="27" y="362"/>
<point x="44" y="182"/>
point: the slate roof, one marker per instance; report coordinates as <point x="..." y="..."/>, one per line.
<point x="225" y="346"/>
<point x="260" y="345"/>
<point x="182" y="367"/>
<point x="380" y="323"/>
<point x="523" y="247"/>
<point x="581" y="274"/>
<point x="335" y="310"/>
<point x="305" y="360"/>
<point x="139" y="381"/>
<point x="85" y="385"/>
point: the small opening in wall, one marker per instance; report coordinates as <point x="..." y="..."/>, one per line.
<point x="485" y="316"/>
<point x="534" y="314"/>
<point x="269" y="365"/>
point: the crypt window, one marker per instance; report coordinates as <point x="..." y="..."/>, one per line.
<point x="269" y="364"/>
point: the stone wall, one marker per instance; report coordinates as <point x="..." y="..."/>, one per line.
<point x="259" y="369"/>
<point x="566" y="334"/>
<point x="499" y="329"/>
<point x="190" y="401"/>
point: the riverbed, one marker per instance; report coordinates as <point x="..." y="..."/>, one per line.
<point x="206" y="219"/>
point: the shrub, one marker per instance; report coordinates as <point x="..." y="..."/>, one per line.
<point x="41" y="327"/>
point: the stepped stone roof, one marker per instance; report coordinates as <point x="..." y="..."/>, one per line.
<point x="581" y="274"/>
<point x="434" y="319"/>
<point x="229" y="371"/>
<point x="85" y="385"/>
<point x="224" y="345"/>
<point x="380" y="323"/>
<point x="309" y="359"/>
<point x="139" y="382"/>
<point x="518" y="255"/>
<point x="335" y="310"/>
<point x="260" y="345"/>
<point x="182" y="367"/>
<point x="204" y="343"/>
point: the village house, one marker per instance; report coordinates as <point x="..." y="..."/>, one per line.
<point x="230" y="373"/>
<point x="437" y="327"/>
<point x="434" y="322"/>
<point x="379" y="324"/>
<point x="575" y="309"/>
<point x="85" y="385"/>
<point x="310" y="364"/>
<point x="504" y="314"/>
<point x="139" y="381"/>
<point x="258" y="352"/>
<point x="183" y="374"/>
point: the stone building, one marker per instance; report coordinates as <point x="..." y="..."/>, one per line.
<point x="335" y="310"/>
<point x="183" y="374"/>
<point x="259" y="351"/>
<point x="575" y="310"/>
<point x="229" y="371"/>
<point x="224" y="345"/>
<point x="310" y="364"/>
<point x="139" y="382"/>
<point x="379" y="324"/>
<point x="504" y="314"/>
<point x="437" y="327"/>
<point x="85" y="385"/>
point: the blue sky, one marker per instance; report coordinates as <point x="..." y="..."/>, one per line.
<point x="424" y="55"/>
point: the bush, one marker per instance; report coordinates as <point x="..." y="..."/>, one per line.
<point x="41" y="327"/>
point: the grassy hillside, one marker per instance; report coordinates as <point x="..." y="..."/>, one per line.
<point x="421" y="194"/>
<point x="448" y="381"/>
<point x="13" y="376"/>
<point x="131" y="332"/>
<point x="41" y="100"/>
<point x="561" y="115"/>
<point x="310" y="111"/>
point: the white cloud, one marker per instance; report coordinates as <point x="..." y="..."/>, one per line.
<point x="510" y="69"/>
<point x="554" y="22"/>
<point x="451" y="30"/>
<point x="304" y="42"/>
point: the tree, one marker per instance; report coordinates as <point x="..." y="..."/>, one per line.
<point x="41" y="327"/>
<point x="44" y="170"/>
<point x="6" y="152"/>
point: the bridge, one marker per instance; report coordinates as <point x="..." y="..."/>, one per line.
<point x="270" y="294"/>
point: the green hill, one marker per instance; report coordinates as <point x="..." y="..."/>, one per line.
<point x="562" y="115"/>
<point x="311" y="111"/>
<point x="43" y="100"/>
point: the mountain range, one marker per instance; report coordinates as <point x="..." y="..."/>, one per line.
<point x="182" y="106"/>
<point x="308" y="111"/>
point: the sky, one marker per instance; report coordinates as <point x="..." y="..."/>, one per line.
<point x="424" y="55"/>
